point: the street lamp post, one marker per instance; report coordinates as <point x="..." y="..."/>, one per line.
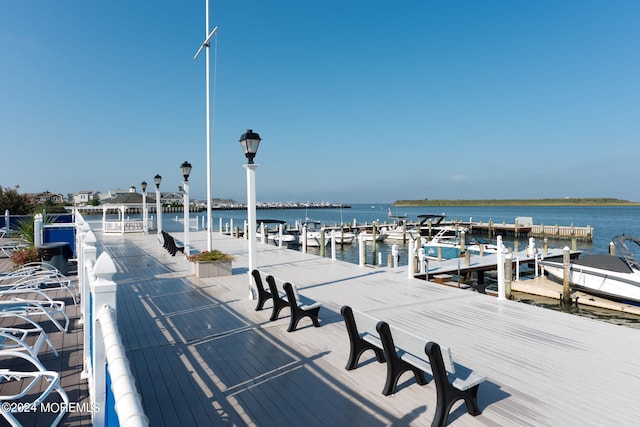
<point x="250" y="142"/>
<point x="143" y="185"/>
<point x="157" y="179"/>
<point x="185" y="169"/>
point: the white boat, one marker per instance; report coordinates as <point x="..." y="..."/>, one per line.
<point x="613" y="277"/>
<point x="272" y="230"/>
<point x="314" y="234"/>
<point x="270" y="227"/>
<point x="399" y="230"/>
<point x="344" y="237"/>
<point x="367" y="236"/>
<point x="447" y="243"/>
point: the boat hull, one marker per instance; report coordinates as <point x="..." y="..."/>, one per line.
<point x="609" y="284"/>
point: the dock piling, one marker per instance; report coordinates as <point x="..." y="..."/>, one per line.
<point x="333" y="243"/>
<point x="508" y="274"/>
<point x="394" y="254"/>
<point x="566" y="298"/>
<point x="500" y="268"/>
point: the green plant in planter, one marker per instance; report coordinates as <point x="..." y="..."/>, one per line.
<point x="25" y="256"/>
<point x="26" y="227"/>
<point x="210" y="256"/>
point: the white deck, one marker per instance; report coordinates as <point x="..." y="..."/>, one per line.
<point x="202" y="355"/>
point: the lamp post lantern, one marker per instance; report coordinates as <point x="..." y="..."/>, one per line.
<point x="250" y="142"/>
<point x="185" y="169"/>
<point x="143" y="185"/>
<point x="158" y="179"/>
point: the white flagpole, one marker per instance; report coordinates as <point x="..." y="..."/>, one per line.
<point x="205" y="44"/>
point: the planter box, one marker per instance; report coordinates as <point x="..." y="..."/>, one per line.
<point x="204" y="269"/>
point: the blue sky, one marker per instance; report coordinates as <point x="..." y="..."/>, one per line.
<point x="355" y="101"/>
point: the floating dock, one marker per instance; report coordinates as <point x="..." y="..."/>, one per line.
<point x="543" y="286"/>
<point x="441" y="271"/>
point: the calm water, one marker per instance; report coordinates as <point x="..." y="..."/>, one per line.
<point x="607" y="222"/>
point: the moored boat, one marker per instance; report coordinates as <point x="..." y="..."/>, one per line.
<point x="399" y="230"/>
<point x="344" y="237"/>
<point x="367" y="236"/>
<point x="613" y="277"/>
<point x="270" y="227"/>
<point x="448" y="243"/>
<point x="314" y="233"/>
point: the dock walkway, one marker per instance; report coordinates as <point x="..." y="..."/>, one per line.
<point x="202" y="356"/>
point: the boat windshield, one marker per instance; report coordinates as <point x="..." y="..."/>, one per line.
<point x="436" y="219"/>
<point x="312" y="225"/>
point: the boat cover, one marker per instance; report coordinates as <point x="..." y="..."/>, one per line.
<point x="604" y="262"/>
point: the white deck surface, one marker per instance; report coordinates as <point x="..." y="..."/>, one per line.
<point x="203" y="356"/>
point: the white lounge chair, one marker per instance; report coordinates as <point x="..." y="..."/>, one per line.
<point x="8" y="249"/>
<point x="41" y="280"/>
<point x="27" y="269"/>
<point x="23" y="335"/>
<point x="9" y="246"/>
<point x="35" y="384"/>
<point x="37" y="275"/>
<point x="42" y="306"/>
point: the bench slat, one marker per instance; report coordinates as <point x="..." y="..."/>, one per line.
<point x="413" y="344"/>
<point x="466" y="383"/>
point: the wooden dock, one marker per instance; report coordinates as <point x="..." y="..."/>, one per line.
<point x="543" y="286"/>
<point x="202" y="355"/>
<point x="512" y="230"/>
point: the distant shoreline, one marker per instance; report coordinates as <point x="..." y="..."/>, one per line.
<point x="519" y="202"/>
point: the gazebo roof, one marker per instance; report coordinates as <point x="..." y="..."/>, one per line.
<point x="129" y="199"/>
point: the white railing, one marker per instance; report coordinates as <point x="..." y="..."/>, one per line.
<point x="194" y="224"/>
<point x="128" y="226"/>
<point x="127" y="403"/>
<point x="104" y="357"/>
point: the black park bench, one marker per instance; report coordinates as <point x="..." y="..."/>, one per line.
<point x="290" y="299"/>
<point x="404" y="352"/>
<point x="170" y="244"/>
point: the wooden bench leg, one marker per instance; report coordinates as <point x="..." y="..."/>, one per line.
<point x="447" y="394"/>
<point x="395" y="366"/>
<point x="357" y="345"/>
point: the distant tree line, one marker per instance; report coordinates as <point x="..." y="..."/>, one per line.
<point x="20" y="204"/>
<point x="567" y="201"/>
